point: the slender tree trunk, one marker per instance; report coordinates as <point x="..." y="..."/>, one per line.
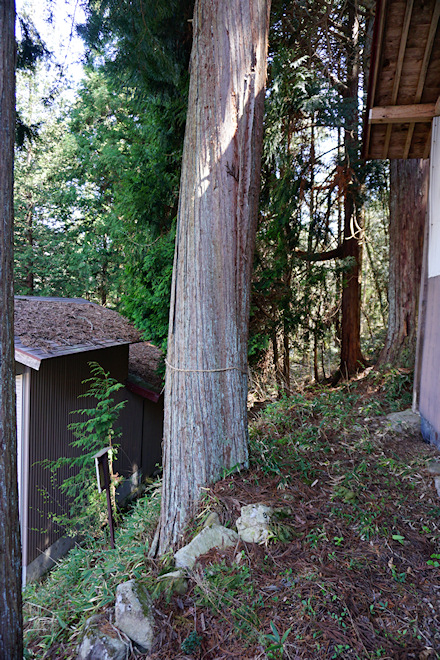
<point x="11" y="646"/>
<point x="205" y="427"/>
<point x="408" y="203"/>
<point x="30" y="241"/>
<point x="286" y="359"/>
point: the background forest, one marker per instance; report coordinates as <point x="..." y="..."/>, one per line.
<point x="97" y="181"/>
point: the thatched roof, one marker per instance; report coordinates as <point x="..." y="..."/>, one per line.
<point x="54" y="325"/>
<point x="145" y="360"/>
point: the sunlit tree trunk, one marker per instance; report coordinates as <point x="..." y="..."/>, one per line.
<point x="408" y="205"/>
<point x="11" y="647"/>
<point x="206" y="381"/>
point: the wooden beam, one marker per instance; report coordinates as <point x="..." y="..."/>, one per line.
<point x="376" y="50"/>
<point x="402" y="114"/>
<point x="402" y="48"/>
<point x="437" y="108"/>
<point x="424" y="71"/>
<point x="398" y="73"/>
<point x="428" y="51"/>
<point x="377" y="55"/>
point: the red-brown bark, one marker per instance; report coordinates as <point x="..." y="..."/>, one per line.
<point x="408" y="206"/>
<point x="10" y="554"/>
<point x="205" y="428"/>
<point x="351" y="355"/>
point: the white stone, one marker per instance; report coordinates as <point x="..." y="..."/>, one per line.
<point x="134" y="613"/>
<point x="437" y="485"/>
<point x="434" y="467"/>
<point x="96" y="645"/>
<point x="404" y="420"/>
<point x="254" y="523"/>
<point x="215" y="536"/>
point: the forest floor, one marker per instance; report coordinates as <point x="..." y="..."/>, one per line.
<point x="351" y="571"/>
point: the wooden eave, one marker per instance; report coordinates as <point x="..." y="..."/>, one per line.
<point x="32" y="357"/>
<point x="404" y="84"/>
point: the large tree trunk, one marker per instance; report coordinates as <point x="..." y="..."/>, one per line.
<point x="351" y="355"/>
<point x="10" y="561"/>
<point x="408" y="206"/>
<point x="206" y="381"/>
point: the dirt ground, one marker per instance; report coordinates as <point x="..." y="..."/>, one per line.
<point x="352" y="569"/>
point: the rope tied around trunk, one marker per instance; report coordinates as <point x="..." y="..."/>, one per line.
<point x="205" y="371"/>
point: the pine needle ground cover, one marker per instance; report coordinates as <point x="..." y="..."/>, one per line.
<point x="351" y="568"/>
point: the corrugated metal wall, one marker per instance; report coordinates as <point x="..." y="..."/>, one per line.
<point x="54" y="394"/>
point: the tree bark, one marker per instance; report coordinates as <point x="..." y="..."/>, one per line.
<point x="11" y="645"/>
<point x="205" y="430"/>
<point x="351" y="355"/>
<point x="408" y="205"/>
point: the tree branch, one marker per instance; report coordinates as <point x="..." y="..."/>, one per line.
<point x="319" y="256"/>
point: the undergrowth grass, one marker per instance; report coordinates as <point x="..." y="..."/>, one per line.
<point x="346" y="572"/>
<point x="85" y="581"/>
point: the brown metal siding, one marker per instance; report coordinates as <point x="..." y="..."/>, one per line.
<point x="430" y="377"/>
<point x="152" y="435"/>
<point x="54" y="394"/>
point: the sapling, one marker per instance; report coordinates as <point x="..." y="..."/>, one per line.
<point x="87" y="510"/>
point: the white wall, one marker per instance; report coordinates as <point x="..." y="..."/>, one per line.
<point x="22" y="392"/>
<point x="434" y="202"/>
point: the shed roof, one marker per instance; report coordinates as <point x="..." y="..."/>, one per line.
<point x="51" y="327"/>
<point x="404" y="84"/>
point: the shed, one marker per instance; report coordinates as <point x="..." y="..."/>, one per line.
<point x="55" y="339"/>
<point x="403" y="121"/>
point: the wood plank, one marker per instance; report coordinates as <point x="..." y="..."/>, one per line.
<point x="402" y="114"/>
<point x="402" y="48"/>
<point x="373" y="73"/>
<point x="424" y="70"/>
<point x="398" y="73"/>
<point x="428" y="51"/>
<point x="386" y="143"/>
<point x="377" y="59"/>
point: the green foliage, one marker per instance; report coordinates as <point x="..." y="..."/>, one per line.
<point x="86" y="579"/>
<point x="223" y="589"/>
<point x="87" y="510"/>
<point x="397" y="386"/>
<point x="191" y="643"/>
<point x="275" y="642"/>
<point x="147" y="298"/>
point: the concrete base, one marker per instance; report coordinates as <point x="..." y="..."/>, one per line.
<point x="429" y="434"/>
<point x="48" y="559"/>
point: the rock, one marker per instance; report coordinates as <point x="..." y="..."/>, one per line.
<point x="254" y="523"/>
<point x="174" y="582"/>
<point x="437" y="485"/>
<point x="212" y="519"/>
<point x="406" y="420"/>
<point x="133" y="613"/>
<point x="97" y="645"/>
<point x="434" y="467"/>
<point x="215" y="536"/>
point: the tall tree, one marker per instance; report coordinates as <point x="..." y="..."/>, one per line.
<point x="351" y="355"/>
<point x="206" y="380"/>
<point x="408" y="204"/>
<point x="11" y="645"/>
